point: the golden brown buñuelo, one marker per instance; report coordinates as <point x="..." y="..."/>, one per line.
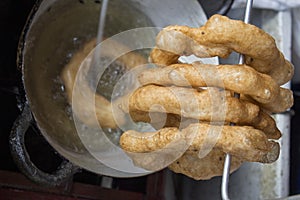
<point x="238" y="78"/>
<point x="219" y="37"/>
<point x="208" y="105"/>
<point x="244" y="142"/>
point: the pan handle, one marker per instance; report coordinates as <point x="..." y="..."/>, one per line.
<point x="21" y="157"/>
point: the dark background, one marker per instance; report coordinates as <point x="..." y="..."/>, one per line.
<point x="13" y="15"/>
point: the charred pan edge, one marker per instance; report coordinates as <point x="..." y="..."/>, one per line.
<point x="21" y="98"/>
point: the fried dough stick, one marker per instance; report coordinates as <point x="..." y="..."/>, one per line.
<point x="238" y="78"/>
<point x="263" y="121"/>
<point x="190" y="103"/>
<point x="219" y="37"/>
<point x="205" y="168"/>
<point x="244" y="142"/>
<point x="205" y="105"/>
<point x="102" y="107"/>
<point x="157" y="119"/>
<point x="142" y="101"/>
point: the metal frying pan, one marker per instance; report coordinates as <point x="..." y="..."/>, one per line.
<point x="54" y="32"/>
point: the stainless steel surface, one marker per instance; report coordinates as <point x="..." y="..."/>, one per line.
<point x="225" y="177"/>
<point x="278" y="24"/>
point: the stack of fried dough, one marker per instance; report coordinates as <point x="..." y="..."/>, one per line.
<point x="196" y="99"/>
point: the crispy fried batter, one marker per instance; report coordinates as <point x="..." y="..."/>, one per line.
<point x="266" y="124"/>
<point x="277" y="107"/>
<point x="133" y="141"/>
<point x="286" y="101"/>
<point x="156" y="119"/>
<point x="218" y="37"/>
<point x="213" y="107"/>
<point x="203" y="168"/>
<point x="238" y="78"/>
<point x="263" y="121"/>
<point x="211" y="104"/>
<point x="162" y="57"/>
<point x="244" y="142"/>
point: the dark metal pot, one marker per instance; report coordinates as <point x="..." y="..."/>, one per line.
<point x="55" y="30"/>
